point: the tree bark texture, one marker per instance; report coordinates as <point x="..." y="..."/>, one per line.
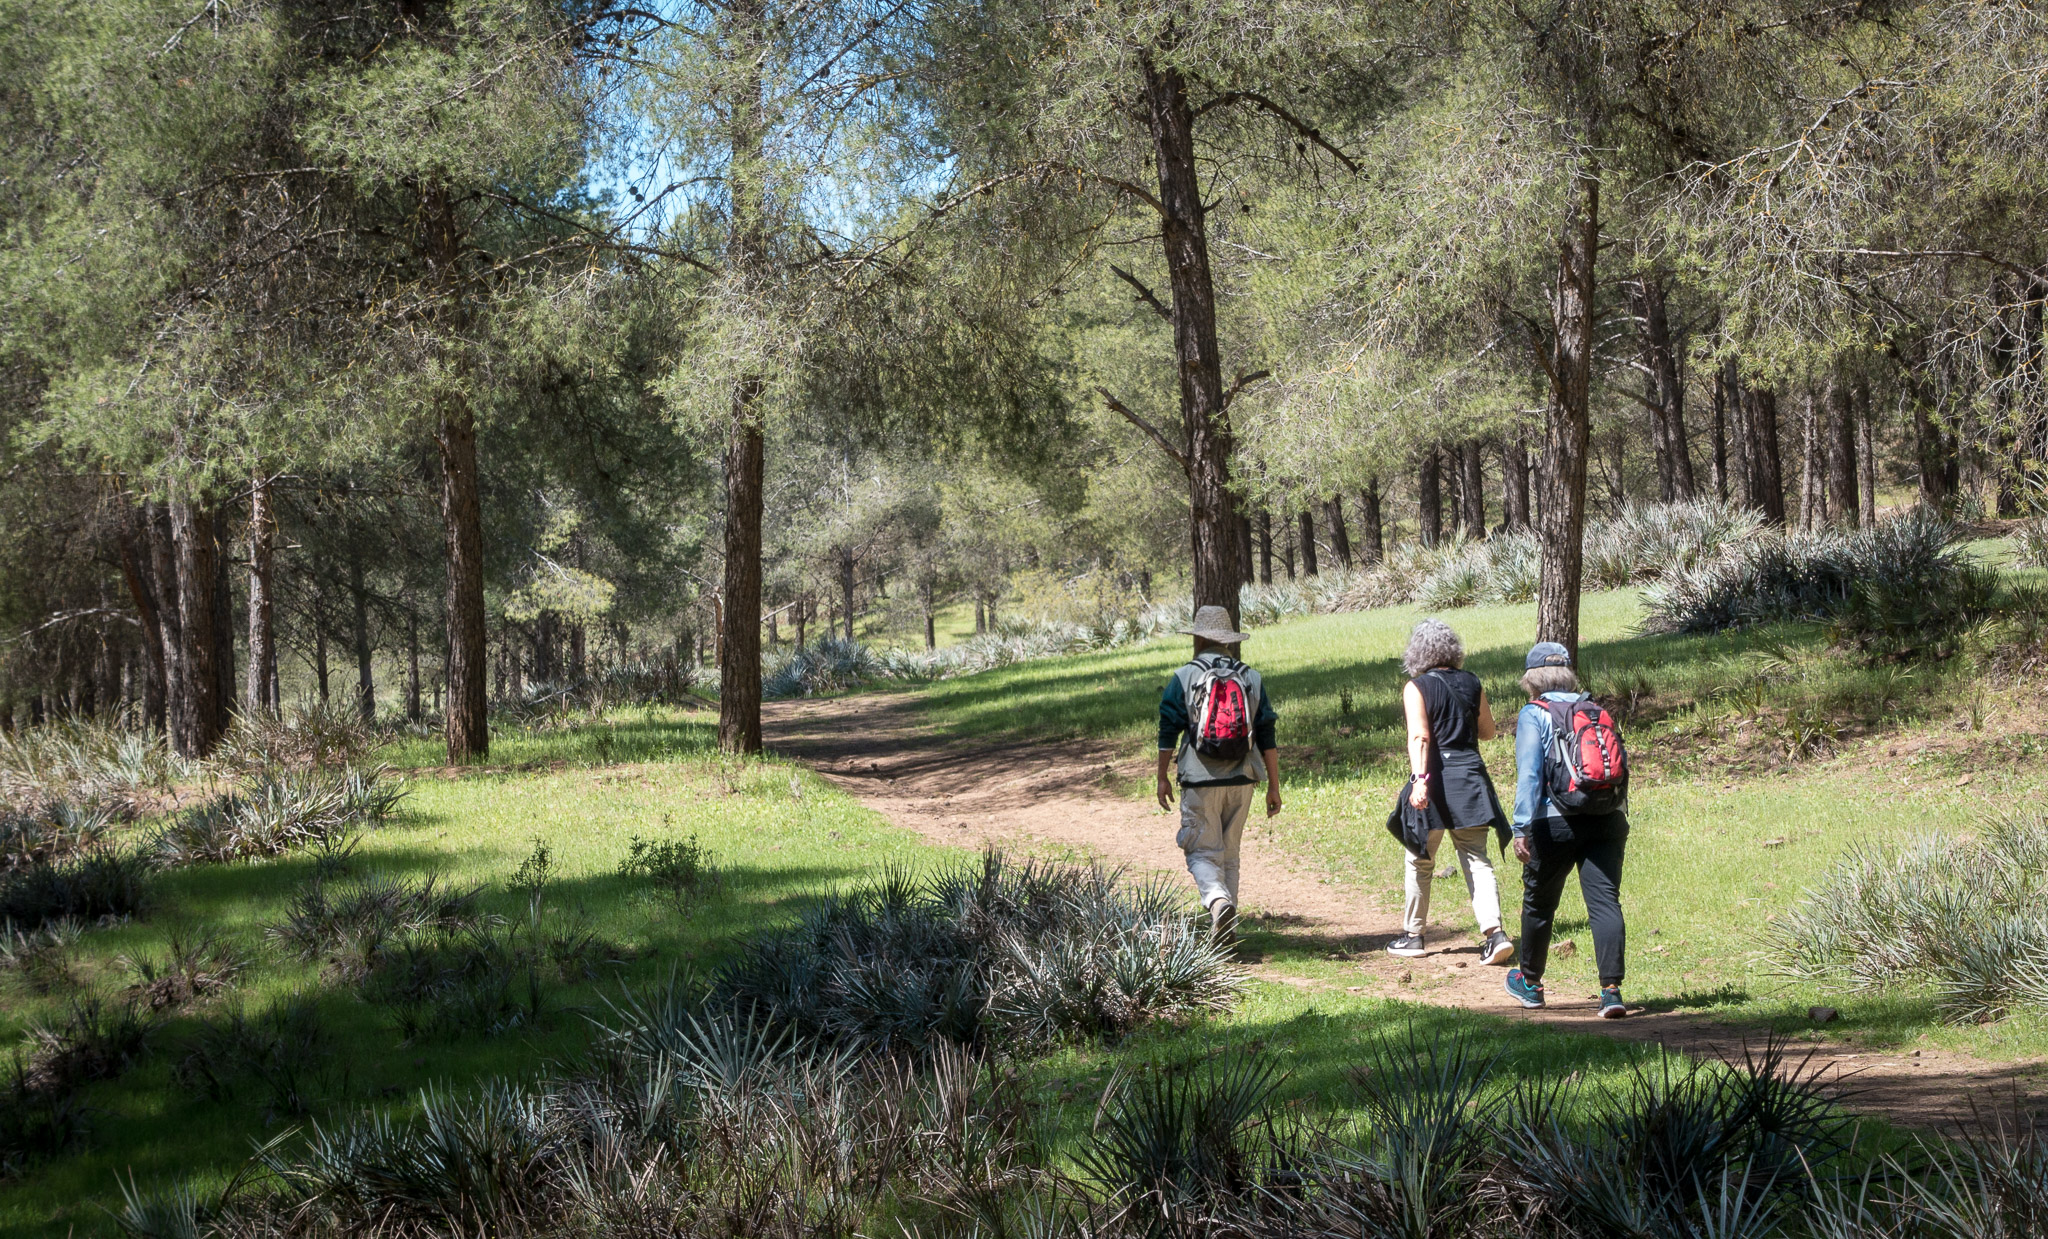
<point x="1568" y="425"/>
<point x="846" y="586"/>
<point x="1371" y="523"/>
<point x="1199" y="358"/>
<point x="1308" y="543"/>
<point x="1429" y="499"/>
<point x="1843" y="506"/>
<point x="412" y="667"/>
<point x="1265" y="547"/>
<point x="1340" y="537"/>
<point x="1812" y="477"/>
<point x="1866" y="453"/>
<point x="138" y="571"/>
<point x="359" y="635"/>
<point x="1514" y="482"/>
<point x="739" y="652"/>
<point x="1667" y="390"/>
<point x="1472" y="488"/>
<point x="1720" y="435"/>
<point x="261" y="692"/>
<point x="1765" y="457"/>
<point x="197" y="720"/>
<point x="467" y="660"/>
<point x="1246" y="553"/>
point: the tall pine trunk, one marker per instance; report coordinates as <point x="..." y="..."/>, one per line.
<point x="1514" y="482"/>
<point x="1660" y="357"/>
<point x="1429" y="499"/>
<point x="1265" y="547"/>
<point x="1866" y="453"/>
<point x="1766" y="460"/>
<point x="1843" y="507"/>
<point x="739" y="648"/>
<point x="844" y="556"/>
<point x="1340" y="537"/>
<point x="1720" y="434"/>
<point x="1204" y="418"/>
<point x="1812" y="477"/>
<point x="1373" y="525"/>
<point x="739" y="644"/>
<point x="1472" y="489"/>
<point x="466" y="666"/>
<point x="261" y="692"/>
<point x="145" y="589"/>
<point x="195" y="708"/>
<point x="1568" y="425"/>
<point x="359" y="637"/>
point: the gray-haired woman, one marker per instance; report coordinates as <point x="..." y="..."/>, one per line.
<point x="1447" y="718"/>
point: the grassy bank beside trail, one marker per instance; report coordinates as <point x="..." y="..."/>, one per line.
<point x="1761" y="757"/>
<point x="777" y="833"/>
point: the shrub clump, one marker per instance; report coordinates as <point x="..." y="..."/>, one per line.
<point x="1961" y="917"/>
<point x="103" y="883"/>
<point x="99" y="765"/>
<point x="279" y="814"/>
<point x="1028" y="952"/>
<point x="1893" y="587"/>
<point x="320" y="736"/>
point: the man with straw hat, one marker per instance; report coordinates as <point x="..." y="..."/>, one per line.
<point x="1216" y="731"/>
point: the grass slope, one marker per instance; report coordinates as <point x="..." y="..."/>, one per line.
<point x="1727" y="828"/>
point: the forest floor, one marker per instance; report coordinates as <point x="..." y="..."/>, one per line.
<point x="1069" y="800"/>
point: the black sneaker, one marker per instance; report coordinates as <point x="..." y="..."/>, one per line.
<point x="1611" y="1005"/>
<point x="1499" y="948"/>
<point x="1408" y="946"/>
<point x="1223" y="922"/>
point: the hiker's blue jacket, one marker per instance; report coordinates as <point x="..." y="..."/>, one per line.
<point x="1194" y="770"/>
<point x="1532" y="751"/>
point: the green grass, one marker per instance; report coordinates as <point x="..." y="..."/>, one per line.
<point x="1726" y="830"/>
<point x="780" y="834"/>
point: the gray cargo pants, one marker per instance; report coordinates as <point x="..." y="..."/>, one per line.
<point x="1211" y="830"/>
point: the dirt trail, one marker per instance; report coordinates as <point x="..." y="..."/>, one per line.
<point x="1059" y="799"/>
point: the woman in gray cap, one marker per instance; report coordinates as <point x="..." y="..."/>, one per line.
<point x="1552" y="843"/>
<point x="1447" y="718"/>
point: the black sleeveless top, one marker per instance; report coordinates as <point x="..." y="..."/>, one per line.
<point x="1450" y="697"/>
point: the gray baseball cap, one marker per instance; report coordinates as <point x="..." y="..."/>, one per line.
<point x="1547" y="654"/>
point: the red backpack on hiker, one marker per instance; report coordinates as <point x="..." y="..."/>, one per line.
<point x="1220" y="710"/>
<point x="1589" y="763"/>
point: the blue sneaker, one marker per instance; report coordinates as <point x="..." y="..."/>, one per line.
<point x="1523" y="990"/>
<point x="1611" y="1005"/>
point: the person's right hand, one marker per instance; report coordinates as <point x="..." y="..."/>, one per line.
<point x="1165" y="793"/>
<point x="1418" y="794"/>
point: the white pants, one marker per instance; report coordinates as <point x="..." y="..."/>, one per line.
<point x="1211" y="830"/>
<point x="1470" y="844"/>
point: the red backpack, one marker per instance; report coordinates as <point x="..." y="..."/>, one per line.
<point x="1220" y="711"/>
<point x="1589" y="764"/>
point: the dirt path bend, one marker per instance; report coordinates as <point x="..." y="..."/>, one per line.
<point x="1059" y="800"/>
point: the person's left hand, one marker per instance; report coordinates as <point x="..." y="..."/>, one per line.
<point x="1272" y="801"/>
<point x="1522" y="848"/>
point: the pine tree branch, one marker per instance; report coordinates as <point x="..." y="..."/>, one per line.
<point x="1151" y="431"/>
<point x="1144" y="294"/>
<point x="1243" y="381"/>
<point x="1232" y="97"/>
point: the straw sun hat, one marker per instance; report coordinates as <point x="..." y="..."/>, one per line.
<point x="1213" y="624"/>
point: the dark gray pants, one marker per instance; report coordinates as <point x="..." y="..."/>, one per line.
<point x="1594" y="846"/>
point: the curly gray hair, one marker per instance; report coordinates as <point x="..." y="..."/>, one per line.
<point x="1433" y="644"/>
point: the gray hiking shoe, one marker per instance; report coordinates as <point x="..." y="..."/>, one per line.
<point x="1223" y="922"/>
